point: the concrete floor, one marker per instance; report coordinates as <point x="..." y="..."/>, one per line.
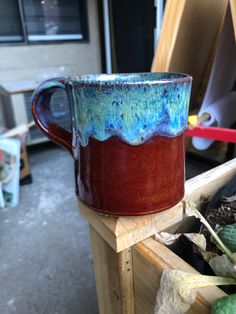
<point x="46" y="262"/>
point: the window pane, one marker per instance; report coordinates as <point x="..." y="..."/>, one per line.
<point x="53" y="19"/>
<point x="10" y="22"/>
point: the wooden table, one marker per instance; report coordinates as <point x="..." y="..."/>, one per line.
<point x="127" y="260"/>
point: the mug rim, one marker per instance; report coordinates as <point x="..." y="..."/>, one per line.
<point x="129" y="79"/>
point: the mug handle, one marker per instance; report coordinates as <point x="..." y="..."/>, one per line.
<point x="42" y="115"/>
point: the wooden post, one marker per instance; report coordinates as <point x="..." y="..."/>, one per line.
<point x="114" y="277"/>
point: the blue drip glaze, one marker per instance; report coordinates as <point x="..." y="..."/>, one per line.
<point x="134" y="108"/>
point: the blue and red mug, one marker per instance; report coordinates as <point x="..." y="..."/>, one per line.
<point x="127" y="138"/>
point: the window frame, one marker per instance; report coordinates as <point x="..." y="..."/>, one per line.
<point x="26" y="41"/>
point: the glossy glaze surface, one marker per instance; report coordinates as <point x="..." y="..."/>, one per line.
<point x="120" y="179"/>
<point x="126" y="138"/>
<point x="132" y="107"/>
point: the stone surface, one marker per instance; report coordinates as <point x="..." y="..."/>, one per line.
<point x="46" y="261"/>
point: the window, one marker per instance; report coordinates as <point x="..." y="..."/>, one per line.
<point x="10" y="22"/>
<point x="42" y="20"/>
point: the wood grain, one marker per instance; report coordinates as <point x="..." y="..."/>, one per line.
<point x="187" y="37"/>
<point x="114" y="277"/>
<point x="233" y="13"/>
<point x="149" y="259"/>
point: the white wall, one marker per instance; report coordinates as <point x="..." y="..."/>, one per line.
<point x="25" y="62"/>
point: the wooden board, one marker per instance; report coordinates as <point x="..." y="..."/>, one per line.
<point x="149" y="259"/>
<point x="123" y="232"/>
<point x="187" y="37"/>
<point x="114" y="277"/>
<point x="233" y="13"/>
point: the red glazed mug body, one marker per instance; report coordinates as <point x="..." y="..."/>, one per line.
<point x="119" y="179"/>
<point x="127" y="138"/>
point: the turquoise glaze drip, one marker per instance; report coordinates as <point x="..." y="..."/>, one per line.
<point x="134" y="107"/>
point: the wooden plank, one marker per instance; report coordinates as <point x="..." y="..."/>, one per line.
<point x="187" y="36"/>
<point x="126" y="280"/>
<point x="149" y="259"/>
<point x="172" y="18"/>
<point x="123" y="232"/>
<point x="103" y="224"/>
<point x="114" y="277"/>
<point x="207" y="183"/>
<point x="131" y="230"/>
<point x="233" y="13"/>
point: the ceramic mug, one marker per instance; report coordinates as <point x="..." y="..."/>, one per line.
<point x="127" y="138"/>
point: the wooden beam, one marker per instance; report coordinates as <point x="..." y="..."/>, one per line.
<point x="188" y="34"/>
<point x="123" y="232"/>
<point x="233" y="13"/>
<point x="114" y="277"/>
<point x="173" y="15"/>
